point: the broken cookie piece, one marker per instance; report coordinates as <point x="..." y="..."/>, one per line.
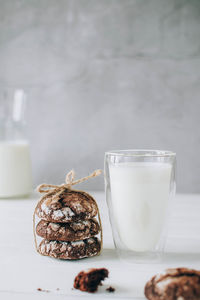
<point x="88" y="281"/>
<point x="174" y="284"/>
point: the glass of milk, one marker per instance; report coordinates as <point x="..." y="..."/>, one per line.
<point x="139" y="187"/>
<point x="15" y="163"/>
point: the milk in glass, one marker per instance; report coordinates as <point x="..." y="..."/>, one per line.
<point x="139" y="198"/>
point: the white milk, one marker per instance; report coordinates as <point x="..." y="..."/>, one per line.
<point x="139" y="195"/>
<point x="15" y="169"/>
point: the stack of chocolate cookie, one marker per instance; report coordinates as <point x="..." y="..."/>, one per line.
<point x="68" y="225"/>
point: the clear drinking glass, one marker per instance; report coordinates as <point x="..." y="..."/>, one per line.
<point x="139" y="187"/>
<point x="15" y="163"/>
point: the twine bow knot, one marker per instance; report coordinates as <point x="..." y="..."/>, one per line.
<point x="69" y="181"/>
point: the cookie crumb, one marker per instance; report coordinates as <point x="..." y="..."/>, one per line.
<point x="110" y="289"/>
<point x="41" y="290"/>
<point x="88" y="281"/>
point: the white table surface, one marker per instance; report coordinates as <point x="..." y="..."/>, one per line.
<point x="23" y="270"/>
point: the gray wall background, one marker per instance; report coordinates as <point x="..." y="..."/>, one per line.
<point x="105" y="74"/>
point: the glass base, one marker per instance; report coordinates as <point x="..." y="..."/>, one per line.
<point x="139" y="257"/>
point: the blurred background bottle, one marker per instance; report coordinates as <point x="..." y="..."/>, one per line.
<point x="15" y="162"/>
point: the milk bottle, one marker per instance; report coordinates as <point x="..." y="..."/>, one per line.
<point x="15" y="163"/>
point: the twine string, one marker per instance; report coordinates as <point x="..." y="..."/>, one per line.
<point x="51" y="190"/>
<point x="101" y="231"/>
<point x="70" y="177"/>
<point x="69" y="181"/>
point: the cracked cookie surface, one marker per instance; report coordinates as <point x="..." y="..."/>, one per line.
<point x="75" y="231"/>
<point x="71" y="206"/>
<point x="70" y="250"/>
<point x="174" y="284"/>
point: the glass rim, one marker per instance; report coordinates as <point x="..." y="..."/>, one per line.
<point x="141" y="153"/>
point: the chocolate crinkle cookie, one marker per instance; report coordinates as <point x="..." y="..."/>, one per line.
<point x="88" y="281"/>
<point x="70" y="206"/>
<point x="174" y="284"/>
<point x="70" y="250"/>
<point x="74" y="231"/>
